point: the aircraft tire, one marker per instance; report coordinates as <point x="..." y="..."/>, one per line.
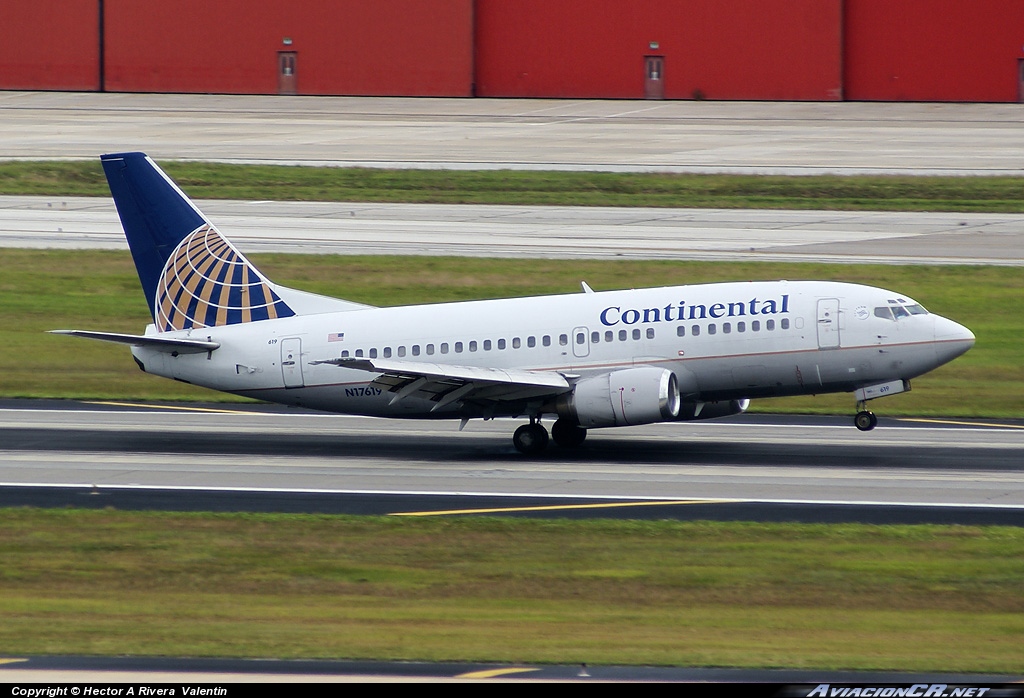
<point x="530" y="439"/>
<point x="865" y="421"/>
<point x="568" y="435"/>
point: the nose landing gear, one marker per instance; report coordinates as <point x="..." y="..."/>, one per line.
<point x="865" y="420"/>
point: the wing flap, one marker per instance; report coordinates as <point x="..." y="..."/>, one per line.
<point x="447" y="383"/>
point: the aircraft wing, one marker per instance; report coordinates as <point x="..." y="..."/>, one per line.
<point x="167" y="344"/>
<point x="446" y="383"/>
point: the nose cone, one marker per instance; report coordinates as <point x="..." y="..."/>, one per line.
<point x="951" y="339"/>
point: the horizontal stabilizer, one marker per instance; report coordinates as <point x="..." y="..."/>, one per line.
<point x="168" y="344"/>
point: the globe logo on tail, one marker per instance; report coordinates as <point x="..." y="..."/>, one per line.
<point x="206" y="282"/>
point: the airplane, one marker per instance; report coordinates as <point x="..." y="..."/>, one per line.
<point x="588" y="360"/>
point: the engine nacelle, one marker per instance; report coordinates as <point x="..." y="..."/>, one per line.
<point x="712" y="410"/>
<point x="632" y="396"/>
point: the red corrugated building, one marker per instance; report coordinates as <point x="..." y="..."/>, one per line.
<point x="948" y="50"/>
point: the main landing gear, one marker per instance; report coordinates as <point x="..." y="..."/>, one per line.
<point x="865" y="420"/>
<point x="531" y="439"/>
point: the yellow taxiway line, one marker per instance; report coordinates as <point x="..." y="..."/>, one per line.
<point x="962" y="424"/>
<point x="555" y="507"/>
<point x="494" y="673"/>
<point x="167" y="407"/>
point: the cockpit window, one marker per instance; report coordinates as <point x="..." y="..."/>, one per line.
<point x="899" y="308"/>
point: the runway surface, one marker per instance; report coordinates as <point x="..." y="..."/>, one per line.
<point x="609" y="135"/>
<point x="548" y="231"/>
<point x="751" y="466"/>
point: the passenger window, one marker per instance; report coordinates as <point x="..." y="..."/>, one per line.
<point x="785" y="323"/>
<point x="401" y="350"/>
<point x="563" y="339"/>
<point x="695" y="330"/>
<point x="741" y="327"/>
<point x="726" y="328"/>
<point x="531" y="342"/>
<point x="359" y="352"/>
<point x="712" y="329"/>
<point x="516" y="343"/>
<point x="415" y="349"/>
<point x="430" y="350"/>
<point x="650" y="333"/>
<point x="681" y="331"/>
<point x="623" y="335"/>
<point x="546" y="340"/>
<point x="444" y="347"/>
<point x="636" y="333"/>
<point x="373" y="353"/>
<point x="595" y="337"/>
<point x="458" y="347"/>
<point x="487" y="345"/>
<point x="581" y="338"/>
<point x="472" y="345"/>
<point x="609" y="336"/>
<point x="501" y="343"/>
<point x="769" y="325"/>
<point x="755" y="326"/>
<point x="344" y="354"/>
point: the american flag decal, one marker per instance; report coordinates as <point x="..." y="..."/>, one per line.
<point x="336" y="337"/>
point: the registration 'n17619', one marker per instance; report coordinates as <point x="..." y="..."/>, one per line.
<point x="362" y="391"/>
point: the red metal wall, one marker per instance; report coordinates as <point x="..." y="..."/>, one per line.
<point x="49" y="45"/>
<point x="933" y="50"/>
<point x="721" y="49"/>
<point x="354" y="47"/>
<point x="718" y="49"/>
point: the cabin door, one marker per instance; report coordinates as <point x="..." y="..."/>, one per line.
<point x="828" y="323"/>
<point x="291" y="362"/>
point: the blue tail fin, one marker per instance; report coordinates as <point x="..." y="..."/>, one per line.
<point x="191" y="275"/>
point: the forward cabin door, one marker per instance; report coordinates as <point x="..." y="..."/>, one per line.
<point x="828" y="323"/>
<point x="291" y="362"/>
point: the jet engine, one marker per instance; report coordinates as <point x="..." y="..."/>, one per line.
<point x="632" y="396"/>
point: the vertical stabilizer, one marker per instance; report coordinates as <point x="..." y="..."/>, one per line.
<point x="191" y="275"/>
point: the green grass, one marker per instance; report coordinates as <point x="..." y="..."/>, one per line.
<point x="221" y="181"/>
<point x="918" y="598"/>
<point x="42" y="290"/>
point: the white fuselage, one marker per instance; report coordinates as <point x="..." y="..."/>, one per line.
<point x="722" y="341"/>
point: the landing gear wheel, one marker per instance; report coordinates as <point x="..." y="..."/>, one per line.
<point x="567" y="435"/>
<point x="530" y="439"/>
<point x="865" y="421"/>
